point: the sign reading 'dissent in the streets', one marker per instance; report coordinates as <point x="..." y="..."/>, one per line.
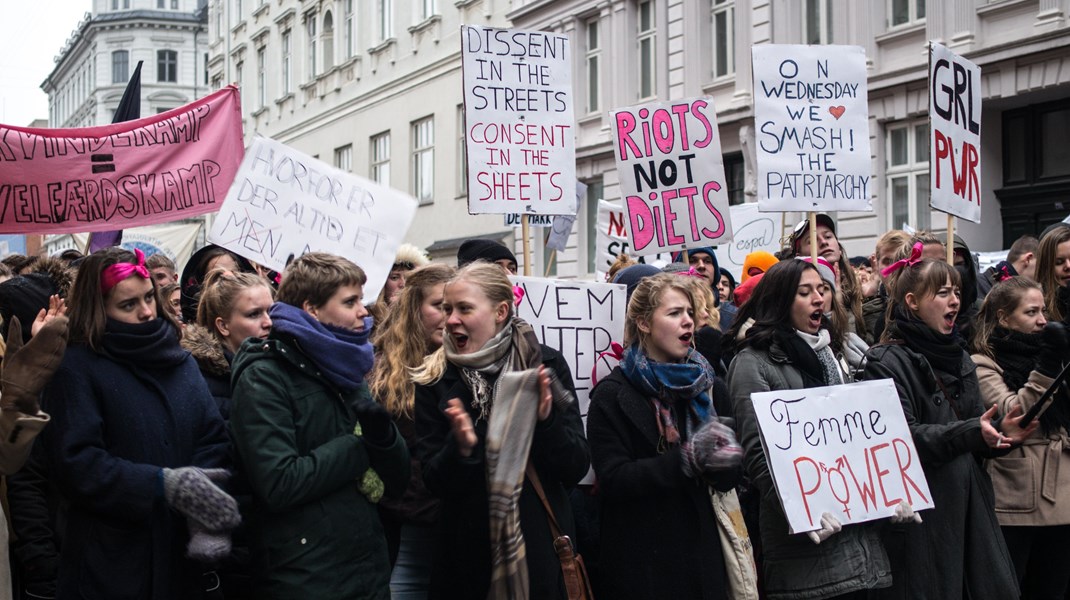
<point x="519" y="134"/>
<point x="668" y="156"/>
<point x="844" y="450"/>
<point x="955" y="126"/>
<point x="285" y="202"/>
<point x="812" y="120"/>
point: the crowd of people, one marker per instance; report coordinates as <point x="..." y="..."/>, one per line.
<point x="225" y="431"/>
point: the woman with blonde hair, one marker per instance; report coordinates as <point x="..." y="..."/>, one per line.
<point x="471" y="438"/>
<point x="413" y="330"/>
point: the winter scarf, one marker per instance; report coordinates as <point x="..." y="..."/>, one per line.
<point x="1017" y="354"/>
<point x="802" y="356"/>
<point x="151" y="345"/>
<point x="667" y="383"/>
<point x="943" y="351"/>
<point x="342" y="355"/>
<point x="833" y="374"/>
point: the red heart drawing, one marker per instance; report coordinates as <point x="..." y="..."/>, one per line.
<point x="837" y="111"/>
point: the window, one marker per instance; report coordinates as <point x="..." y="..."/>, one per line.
<point x="167" y="66"/>
<point x="261" y="67"/>
<point x="735" y="179"/>
<point x="239" y="67"/>
<point x="120" y="66"/>
<point x="287" y="69"/>
<point x="423" y="160"/>
<point x="724" y="26"/>
<point x="380" y="151"/>
<point x="206" y="68"/>
<point x="343" y="158"/>
<point x="174" y="4"/>
<point x="385" y="25"/>
<point x="161" y="3"/>
<point x="328" y="41"/>
<point x="427" y="9"/>
<point x="907" y="174"/>
<point x="817" y="22"/>
<point x="646" y="49"/>
<point x="462" y="153"/>
<point x="310" y="26"/>
<point x="594" y="59"/>
<point x="906" y="11"/>
<point x="350" y="31"/>
<point x="589" y="212"/>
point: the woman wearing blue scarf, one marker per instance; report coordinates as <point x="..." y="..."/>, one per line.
<point x="318" y="452"/>
<point x="658" y="448"/>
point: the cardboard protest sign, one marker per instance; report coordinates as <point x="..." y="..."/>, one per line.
<point x="612" y="239"/>
<point x="955" y="133"/>
<point x="285" y="202"/>
<point x="161" y="168"/>
<point x="520" y="139"/>
<point x="753" y="231"/>
<point x="668" y="155"/>
<point x="812" y="119"/>
<point x="845" y="450"/>
<point x="579" y="319"/>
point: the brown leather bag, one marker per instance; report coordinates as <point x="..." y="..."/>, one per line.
<point x="577" y="583"/>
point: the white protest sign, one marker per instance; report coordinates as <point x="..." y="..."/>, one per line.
<point x="812" y="119"/>
<point x="668" y="156"/>
<point x="955" y="134"/>
<point x="557" y="238"/>
<point x="516" y="220"/>
<point x="612" y="239"/>
<point x="284" y="202"/>
<point x="520" y="141"/>
<point x="753" y="231"/>
<point x="845" y="450"/>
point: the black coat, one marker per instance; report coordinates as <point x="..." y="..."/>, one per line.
<point x="958" y="550"/>
<point x="659" y="536"/>
<point x="462" y="562"/>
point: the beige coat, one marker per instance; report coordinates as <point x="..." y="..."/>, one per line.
<point x="1030" y="478"/>
<point x="17" y="432"/>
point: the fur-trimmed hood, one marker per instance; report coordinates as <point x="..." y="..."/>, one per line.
<point x="412" y="254"/>
<point x="206" y="349"/>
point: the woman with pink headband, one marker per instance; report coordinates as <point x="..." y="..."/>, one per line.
<point x="136" y="444"/>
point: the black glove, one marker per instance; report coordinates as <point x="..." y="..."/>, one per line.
<point x="375" y="423"/>
<point x="1054" y="346"/>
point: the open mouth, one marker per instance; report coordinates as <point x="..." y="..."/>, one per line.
<point x="949" y="319"/>
<point x="460" y="340"/>
<point x="686" y="338"/>
<point x="815" y="319"/>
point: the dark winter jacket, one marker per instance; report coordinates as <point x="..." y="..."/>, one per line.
<point x="314" y="534"/>
<point x="793" y="566"/>
<point x="114" y="427"/>
<point x="958" y="551"/>
<point x="559" y="452"/>
<point x="659" y="536"/>
<point x="213" y="362"/>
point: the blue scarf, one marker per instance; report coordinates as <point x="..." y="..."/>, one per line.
<point x="342" y="355"/>
<point x="688" y="380"/>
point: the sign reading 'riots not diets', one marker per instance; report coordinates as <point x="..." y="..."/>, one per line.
<point x="519" y="136"/>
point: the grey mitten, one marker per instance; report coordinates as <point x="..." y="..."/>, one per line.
<point x="712" y="449"/>
<point x="207" y="546"/>
<point x="191" y="491"/>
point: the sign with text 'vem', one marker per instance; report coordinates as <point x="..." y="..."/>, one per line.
<point x="844" y="450"/>
<point x="285" y="202"/>
<point x="161" y="168"/>
<point x="519" y="135"/>
<point x="955" y="134"/>
<point x="811" y="116"/>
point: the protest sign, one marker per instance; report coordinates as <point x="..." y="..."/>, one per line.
<point x="161" y="168"/>
<point x="560" y="231"/>
<point x="668" y="156"/>
<point x="516" y="220"/>
<point x="520" y="141"/>
<point x="955" y="133"/>
<point x="285" y="202"/>
<point x="578" y="319"/>
<point x="812" y="118"/>
<point x="753" y="231"/>
<point x="612" y="239"/>
<point x="844" y="450"/>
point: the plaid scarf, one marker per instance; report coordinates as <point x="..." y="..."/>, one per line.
<point x="665" y="383"/>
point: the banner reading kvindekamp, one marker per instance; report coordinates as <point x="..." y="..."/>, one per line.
<point x="161" y="168"/>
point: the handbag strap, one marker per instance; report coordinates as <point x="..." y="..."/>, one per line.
<point x="533" y="476"/>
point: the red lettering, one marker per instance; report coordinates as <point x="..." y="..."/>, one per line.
<point x="881" y="473"/>
<point x="625" y="126"/>
<point x="867" y="492"/>
<point x="802" y="488"/>
<point x="896" y="443"/>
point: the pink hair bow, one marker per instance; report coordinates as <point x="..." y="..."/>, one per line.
<point x="113" y="274"/>
<point x="910" y="261"/>
<point x="689" y="273"/>
<point x="615" y="351"/>
<point x="518" y="295"/>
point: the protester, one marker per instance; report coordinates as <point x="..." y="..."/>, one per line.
<point x="316" y="450"/>
<point x="1053" y="272"/>
<point x="967" y="267"/>
<point x="726" y="285"/>
<point x="1018" y="355"/>
<point x="134" y="445"/>
<point x="658" y="447"/>
<point x="702" y="261"/>
<point x="891" y="246"/>
<point x="407" y="258"/>
<point x="162" y="269"/>
<point x="413" y="330"/>
<point x="491" y="251"/>
<point x="932" y="247"/>
<point x="622" y="261"/>
<point x="1021" y="260"/>
<point x="756" y="263"/>
<point x="829" y="248"/>
<point x="852" y="347"/>
<point x="457" y="393"/>
<point x="791" y="346"/>
<point x="204" y="260"/>
<point x="23" y="296"/>
<point x="630" y="277"/>
<point x="744" y="290"/>
<point x="171" y="296"/>
<point x="958" y="551"/>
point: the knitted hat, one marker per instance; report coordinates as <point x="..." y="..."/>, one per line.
<point x="483" y="249"/>
<point x="24" y="296"/>
<point x="823" y="268"/>
<point x="759" y="259"/>
<point x="723" y="272"/>
<point x="631" y="276"/>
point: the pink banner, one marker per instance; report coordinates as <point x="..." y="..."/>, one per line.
<point x="169" y="166"/>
